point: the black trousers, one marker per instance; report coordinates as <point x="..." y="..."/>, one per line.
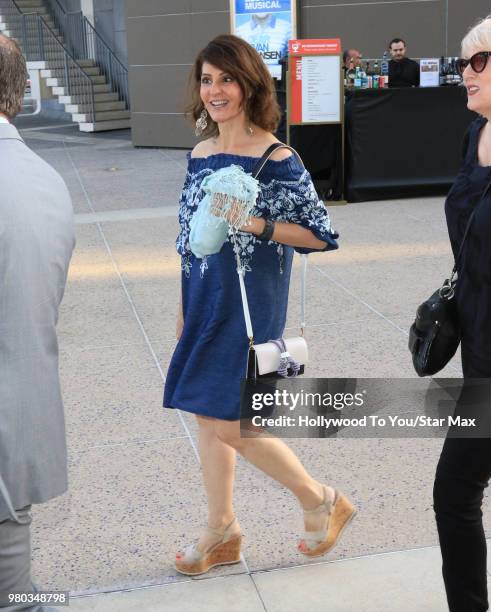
<point x="462" y="474"/>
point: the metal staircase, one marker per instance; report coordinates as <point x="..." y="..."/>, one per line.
<point x="78" y="65"/>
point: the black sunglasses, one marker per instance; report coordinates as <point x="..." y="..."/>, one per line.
<point x="478" y="62"/>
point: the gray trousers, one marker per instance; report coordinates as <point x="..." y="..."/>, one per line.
<point x="15" y="561"/>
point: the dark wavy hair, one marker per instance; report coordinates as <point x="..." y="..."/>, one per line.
<point x="13" y="77"/>
<point x="241" y="61"/>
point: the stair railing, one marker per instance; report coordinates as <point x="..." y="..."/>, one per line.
<point x="40" y="43"/>
<point x="11" y="12"/>
<point x="58" y="13"/>
<point x="78" y="84"/>
<point x="85" y="42"/>
<point x="104" y="56"/>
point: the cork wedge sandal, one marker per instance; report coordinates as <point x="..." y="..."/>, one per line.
<point x="225" y="552"/>
<point x="339" y="514"/>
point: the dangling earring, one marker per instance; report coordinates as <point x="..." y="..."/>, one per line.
<point x="201" y="123"/>
<point x="249" y="130"/>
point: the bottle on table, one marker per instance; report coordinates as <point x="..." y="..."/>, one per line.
<point x="448" y="71"/>
<point x="364" y="75"/>
<point x="351" y="74"/>
<point x="384" y="68"/>
<point x="375" y="74"/>
<point x="357" y="81"/>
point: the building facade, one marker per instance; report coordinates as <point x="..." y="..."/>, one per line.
<point x="159" y="39"/>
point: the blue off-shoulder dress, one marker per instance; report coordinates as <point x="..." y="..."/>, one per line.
<point x="210" y="358"/>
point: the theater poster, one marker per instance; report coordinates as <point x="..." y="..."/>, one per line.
<point x="267" y="25"/>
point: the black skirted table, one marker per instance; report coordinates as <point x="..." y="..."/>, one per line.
<point x="403" y="143"/>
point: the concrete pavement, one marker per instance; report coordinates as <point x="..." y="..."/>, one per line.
<point x="135" y="486"/>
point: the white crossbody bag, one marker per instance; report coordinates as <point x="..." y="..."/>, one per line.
<point x="282" y="357"/>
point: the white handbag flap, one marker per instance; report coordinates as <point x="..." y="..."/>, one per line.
<point x="268" y="354"/>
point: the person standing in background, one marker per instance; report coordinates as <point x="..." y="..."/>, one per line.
<point x="403" y="72"/>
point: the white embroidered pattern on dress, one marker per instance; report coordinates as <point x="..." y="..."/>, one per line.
<point x="293" y="201"/>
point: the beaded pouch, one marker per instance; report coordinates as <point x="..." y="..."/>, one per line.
<point x="230" y="196"/>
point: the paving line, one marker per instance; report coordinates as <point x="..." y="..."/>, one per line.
<point x="340" y="322"/>
<point x="428" y="222"/>
<point x="251" y="576"/>
<point x="128" y="296"/>
<point x="344" y="559"/>
<point x="353" y="295"/>
<point x="357" y="558"/>
<point x="96" y="347"/>
<point x="134" y="214"/>
<point x="180" y="164"/>
<point x="160" y="585"/>
<point x="137" y="317"/>
<point x="46" y="127"/>
<point x="130" y="443"/>
<point x="374" y="310"/>
<point x="164" y="585"/>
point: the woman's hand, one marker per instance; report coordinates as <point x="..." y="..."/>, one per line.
<point x="232" y="214"/>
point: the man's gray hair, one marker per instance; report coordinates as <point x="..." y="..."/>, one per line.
<point x="13" y="77"/>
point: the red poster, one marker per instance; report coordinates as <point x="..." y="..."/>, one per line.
<point x="315" y="46"/>
<point x="296" y="89"/>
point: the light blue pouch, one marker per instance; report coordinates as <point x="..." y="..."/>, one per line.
<point x="230" y="195"/>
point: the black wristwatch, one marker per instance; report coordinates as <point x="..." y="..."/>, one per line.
<point x="268" y="230"/>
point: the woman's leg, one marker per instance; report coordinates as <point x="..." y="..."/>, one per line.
<point x="461" y="476"/>
<point x="275" y="458"/>
<point x="218" y="468"/>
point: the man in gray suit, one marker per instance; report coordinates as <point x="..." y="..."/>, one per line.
<point x="36" y="244"/>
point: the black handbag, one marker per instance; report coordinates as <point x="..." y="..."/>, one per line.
<point x="435" y="334"/>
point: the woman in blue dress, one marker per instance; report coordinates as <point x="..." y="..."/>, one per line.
<point x="234" y="104"/>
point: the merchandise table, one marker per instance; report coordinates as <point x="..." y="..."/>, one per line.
<point x="403" y="143"/>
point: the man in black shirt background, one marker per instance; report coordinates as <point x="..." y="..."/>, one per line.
<point x="403" y="72"/>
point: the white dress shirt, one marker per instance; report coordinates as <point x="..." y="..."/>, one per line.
<point x="4" y="119"/>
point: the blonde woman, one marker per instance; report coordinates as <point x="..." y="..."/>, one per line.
<point x="465" y="463"/>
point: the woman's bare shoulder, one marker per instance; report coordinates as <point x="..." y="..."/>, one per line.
<point x="203" y="148"/>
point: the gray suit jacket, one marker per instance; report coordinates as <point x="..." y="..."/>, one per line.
<point x="36" y="243"/>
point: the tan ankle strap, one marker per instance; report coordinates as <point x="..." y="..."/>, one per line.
<point x="325" y="506"/>
<point x="222" y="532"/>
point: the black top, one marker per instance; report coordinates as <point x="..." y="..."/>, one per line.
<point x="403" y="73"/>
<point x="473" y="292"/>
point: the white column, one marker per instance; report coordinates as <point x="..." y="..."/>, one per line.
<point x="87" y="7"/>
